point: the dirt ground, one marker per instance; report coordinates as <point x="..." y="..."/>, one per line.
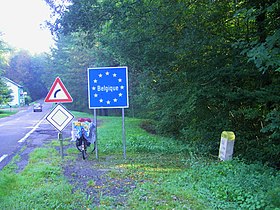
<point x="90" y="176"/>
<point x="94" y="179"/>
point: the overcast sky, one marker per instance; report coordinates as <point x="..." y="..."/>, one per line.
<point x="21" y="24"/>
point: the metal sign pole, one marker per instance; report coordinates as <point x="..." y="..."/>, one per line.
<point x="60" y="138"/>
<point x="123" y="135"/>
<point x="108" y="88"/>
<point x="95" y="133"/>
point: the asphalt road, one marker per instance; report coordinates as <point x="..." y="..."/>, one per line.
<point x="15" y="129"/>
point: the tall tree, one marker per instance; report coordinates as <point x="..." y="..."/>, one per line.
<point x="188" y="65"/>
<point x="262" y="47"/>
<point x="70" y="60"/>
<point x="5" y="93"/>
<point x="27" y="70"/>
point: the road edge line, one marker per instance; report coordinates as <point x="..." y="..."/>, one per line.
<point x="30" y="132"/>
<point x="3" y="157"/>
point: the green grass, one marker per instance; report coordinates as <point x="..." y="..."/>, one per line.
<point x="81" y="114"/>
<point x="4" y="113"/>
<point x="39" y="186"/>
<point x="166" y="172"/>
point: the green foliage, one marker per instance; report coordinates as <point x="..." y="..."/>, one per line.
<point x="70" y="60"/>
<point x="110" y="139"/>
<point x="195" y="67"/>
<point x="7" y="182"/>
<point x="4" y="50"/>
<point x="6" y="113"/>
<point x="233" y="184"/>
<point x="5" y="93"/>
<point x="274" y="124"/>
<point x="27" y="100"/>
<point x="209" y="185"/>
<point x="265" y="51"/>
<point x="27" y="71"/>
<point x="163" y="196"/>
<point x="168" y="177"/>
<point x="163" y="173"/>
<point x="40" y="185"/>
<point x="81" y="114"/>
<point x="149" y="126"/>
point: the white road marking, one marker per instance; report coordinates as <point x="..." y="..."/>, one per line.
<point x="30" y="132"/>
<point x="3" y="157"/>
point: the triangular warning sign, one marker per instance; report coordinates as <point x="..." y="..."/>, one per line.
<point x="58" y="93"/>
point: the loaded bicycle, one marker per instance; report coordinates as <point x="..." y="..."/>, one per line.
<point x="84" y="134"/>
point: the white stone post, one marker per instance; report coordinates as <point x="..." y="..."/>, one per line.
<point x="226" y="145"/>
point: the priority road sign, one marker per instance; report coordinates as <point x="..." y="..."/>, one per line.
<point x="58" y="93"/>
<point x="59" y="117"/>
<point x="108" y="87"/>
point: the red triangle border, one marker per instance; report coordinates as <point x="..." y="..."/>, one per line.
<point x="67" y="100"/>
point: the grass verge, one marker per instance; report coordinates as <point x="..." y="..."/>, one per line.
<point x="4" y="113"/>
<point x="165" y="172"/>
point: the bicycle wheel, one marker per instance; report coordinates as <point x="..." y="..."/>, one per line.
<point x="84" y="149"/>
<point x="94" y="146"/>
<point x="84" y="154"/>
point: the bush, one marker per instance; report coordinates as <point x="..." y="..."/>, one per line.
<point x="234" y="184"/>
<point x="149" y="126"/>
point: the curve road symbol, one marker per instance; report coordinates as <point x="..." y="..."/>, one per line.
<point x="55" y="93"/>
<point x="62" y="97"/>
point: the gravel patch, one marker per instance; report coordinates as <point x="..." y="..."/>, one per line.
<point x="91" y="177"/>
<point x="87" y="177"/>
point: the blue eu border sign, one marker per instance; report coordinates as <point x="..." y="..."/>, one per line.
<point x="108" y="87"/>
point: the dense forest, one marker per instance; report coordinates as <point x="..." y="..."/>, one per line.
<point x="196" y="68"/>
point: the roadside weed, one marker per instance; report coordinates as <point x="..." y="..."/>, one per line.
<point x="158" y="173"/>
<point x="171" y="176"/>
<point x="4" y="113"/>
<point x="39" y="186"/>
